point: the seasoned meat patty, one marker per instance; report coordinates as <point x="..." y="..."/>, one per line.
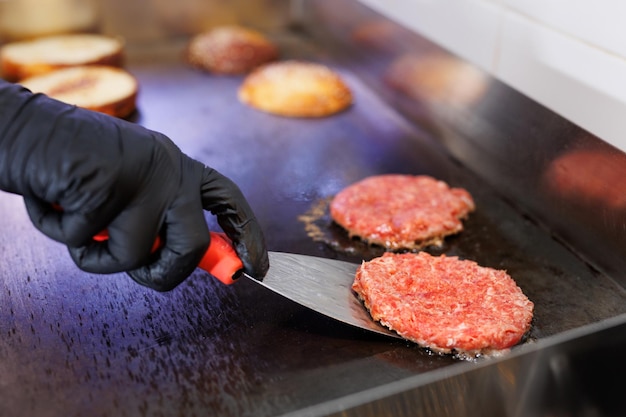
<point x="444" y="303"/>
<point x="401" y="211"/>
<point x="230" y="50"/>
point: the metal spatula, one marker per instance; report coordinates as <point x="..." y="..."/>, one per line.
<point x="323" y="285"/>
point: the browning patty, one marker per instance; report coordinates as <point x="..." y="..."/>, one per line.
<point x="401" y="211"/>
<point x="444" y="303"/>
<point x="230" y="50"/>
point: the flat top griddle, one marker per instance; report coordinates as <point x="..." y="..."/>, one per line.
<point x="80" y="344"/>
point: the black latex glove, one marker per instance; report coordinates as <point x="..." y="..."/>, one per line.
<point x="107" y="173"/>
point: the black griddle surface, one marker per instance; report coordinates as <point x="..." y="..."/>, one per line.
<point x="80" y="344"/>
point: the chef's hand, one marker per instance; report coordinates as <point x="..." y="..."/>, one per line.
<point x="107" y="173"/>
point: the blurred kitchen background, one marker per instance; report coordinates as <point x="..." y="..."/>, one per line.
<point x="569" y="55"/>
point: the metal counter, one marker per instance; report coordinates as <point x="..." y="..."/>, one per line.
<point x="78" y="344"/>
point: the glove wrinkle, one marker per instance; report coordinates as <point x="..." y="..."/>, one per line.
<point x="83" y="258"/>
<point x="165" y="275"/>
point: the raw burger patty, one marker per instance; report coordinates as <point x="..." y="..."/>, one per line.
<point x="401" y="211"/>
<point x="444" y="303"/>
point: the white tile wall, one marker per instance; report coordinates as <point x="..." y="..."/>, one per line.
<point x="569" y="55"/>
<point x="599" y="23"/>
<point x="582" y="83"/>
<point x="467" y="27"/>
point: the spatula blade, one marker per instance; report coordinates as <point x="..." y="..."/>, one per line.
<point x="323" y="285"/>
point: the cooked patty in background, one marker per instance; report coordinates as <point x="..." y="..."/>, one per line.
<point x="230" y="50"/>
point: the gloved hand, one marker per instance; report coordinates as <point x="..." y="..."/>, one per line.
<point x="107" y="173"/>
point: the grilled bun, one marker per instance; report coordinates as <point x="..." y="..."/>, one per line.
<point x="230" y="50"/>
<point x="295" y="89"/>
<point x="104" y="89"/>
<point x="22" y="59"/>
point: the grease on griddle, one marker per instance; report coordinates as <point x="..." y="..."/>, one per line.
<point x="320" y="227"/>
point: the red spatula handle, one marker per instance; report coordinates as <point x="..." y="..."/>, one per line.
<point x="219" y="260"/>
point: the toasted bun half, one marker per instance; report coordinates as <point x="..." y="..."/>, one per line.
<point x="19" y="60"/>
<point x="108" y="90"/>
<point x="296" y="89"/>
